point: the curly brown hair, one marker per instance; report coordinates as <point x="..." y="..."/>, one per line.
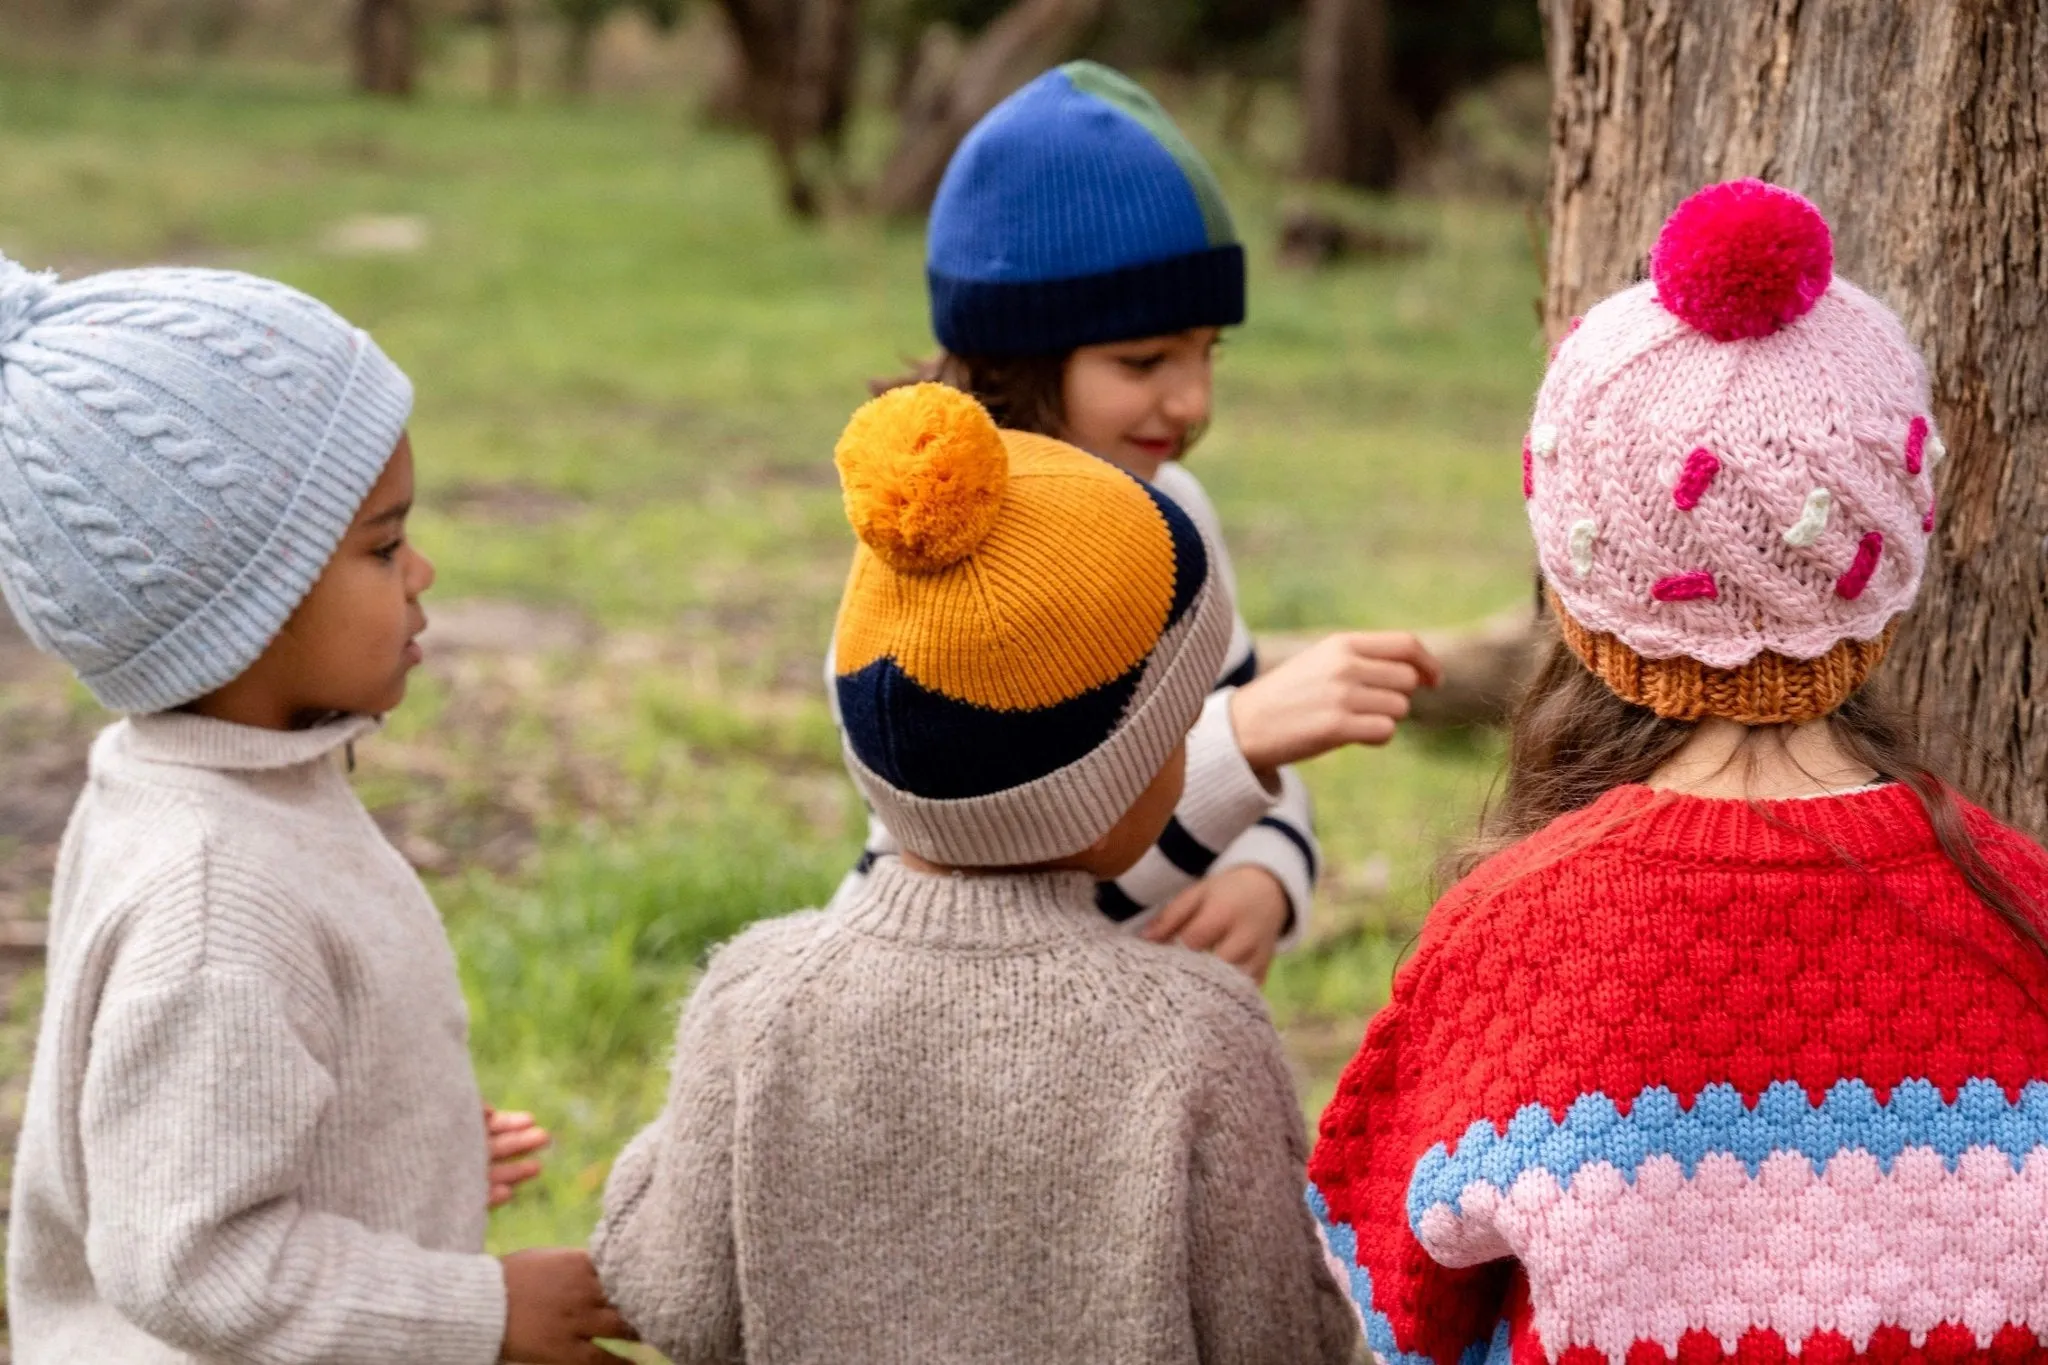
<point x="1023" y="393"/>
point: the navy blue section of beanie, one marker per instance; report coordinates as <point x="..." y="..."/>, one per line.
<point x="1076" y="213"/>
<point x="932" y="745"/>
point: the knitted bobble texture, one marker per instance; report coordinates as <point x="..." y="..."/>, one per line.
<point x="923" y="468"/>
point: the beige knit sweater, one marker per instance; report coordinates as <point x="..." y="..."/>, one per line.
<point x="252" y="1132"/>
<point x="964" y="1119"/>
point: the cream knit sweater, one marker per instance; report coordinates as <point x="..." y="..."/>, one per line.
<point x="252" y="1131"/>
<point x="965" y="1119"/>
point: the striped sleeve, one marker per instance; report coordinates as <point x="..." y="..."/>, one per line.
<point x="1283" y="841"/>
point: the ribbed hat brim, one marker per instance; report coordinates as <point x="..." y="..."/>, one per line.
<point x="1069" y="809"/>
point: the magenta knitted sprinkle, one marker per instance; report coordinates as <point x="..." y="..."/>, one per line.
<point x="1850" y="585"/>
<point x="1916" y="444"/>
<point x="1685" y="587"/>
<point x="1700" y="469"/>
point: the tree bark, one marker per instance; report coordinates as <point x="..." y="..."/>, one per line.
<point x="1347" y="100"/>
<point x="1029" y="37"/>
<point x="384" y="49"/>
<point x="798" y="61"/>
<point x="1921" y="131"/>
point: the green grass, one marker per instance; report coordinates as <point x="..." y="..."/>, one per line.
<point x="631" y="367"/>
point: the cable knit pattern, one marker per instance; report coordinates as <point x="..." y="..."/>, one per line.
<point x="965" y="1119"/>
<point x="1690" y="1080"/>
<point x="180" y="451"/>
<point x="252" y="1133"/>
<point x="1718" y="499"/>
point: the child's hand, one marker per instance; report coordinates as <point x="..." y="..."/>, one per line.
<point x="1237" y="914"/>
<point x="554" y="1306"/>
<point x="1348" y="688"/>
<point x="510" y="1137"/>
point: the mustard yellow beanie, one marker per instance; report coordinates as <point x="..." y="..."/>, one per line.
<point x="1027" y="632"/>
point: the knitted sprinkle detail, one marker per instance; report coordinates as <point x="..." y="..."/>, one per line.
<point x="1927" y="522"/>
<point x="1583" y="534"/>
<point x="1742" y="259"/>
<point x="1851" y="584"/>
<point x="1528" y="471"/>
<point x="1700" y="468"/>
<point x="1686" y="587"/>
<point x="1916" y="444"/>
<point x="1813" y="519"/>
<point x="1543" y="439"/>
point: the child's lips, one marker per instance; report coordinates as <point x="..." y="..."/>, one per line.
<point x="1155" y="445"/>
<point x="413" y="653"/>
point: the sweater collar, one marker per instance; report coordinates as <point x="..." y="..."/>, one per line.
<point x="1872" y="824"/>
<point x="202" y="742"/>
<point x="974" y="913"/>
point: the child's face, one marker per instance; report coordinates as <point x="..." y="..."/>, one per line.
<point x="1140" y="403"/>
<point x="351" y="643"/>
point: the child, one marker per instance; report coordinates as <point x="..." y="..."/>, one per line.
<point x="1737" y="1051"/>
<point x="252" y="1132"/>
<point x="958" y="1116"/>
<point x="1081" y="264"/>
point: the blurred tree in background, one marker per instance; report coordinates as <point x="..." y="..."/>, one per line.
<point x="1376" y="80"/>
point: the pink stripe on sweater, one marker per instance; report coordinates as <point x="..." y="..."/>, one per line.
<point x="1612" y="1262"/>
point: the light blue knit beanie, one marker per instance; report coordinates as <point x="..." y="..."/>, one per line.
<point x="180" y="452"/>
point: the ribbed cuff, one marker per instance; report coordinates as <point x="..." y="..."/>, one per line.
<point x="1046" y="317"/>
<point x="1224" y="796"/>
<point x="1069" y="809"/>
<point x="459" y="1317"/>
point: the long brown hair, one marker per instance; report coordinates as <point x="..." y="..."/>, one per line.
<point x="1571" y="740"/>
<point x="1023" y="393"/>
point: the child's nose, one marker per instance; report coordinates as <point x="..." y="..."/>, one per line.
<point x="422" y="576"/>
<point x="1188" y="403"/>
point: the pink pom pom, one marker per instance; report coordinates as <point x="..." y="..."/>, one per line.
<point x="1742" y="259"/>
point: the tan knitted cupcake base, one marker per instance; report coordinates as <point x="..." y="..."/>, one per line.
<point x="1770" y="689"/>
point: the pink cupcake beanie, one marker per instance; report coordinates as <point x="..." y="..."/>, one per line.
<point x="1730" y="469"/>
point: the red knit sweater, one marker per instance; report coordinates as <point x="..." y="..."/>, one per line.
<point x="1684" y="1079"/>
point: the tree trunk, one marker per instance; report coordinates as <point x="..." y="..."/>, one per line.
<point x="1029" y="37"/>
<point x="503" y="17"/>
<point x="1347" y="100"/>
<point x="1921" y="131"/>
<point x="384" y="47"/>
<point x="580" y="31"/>
<point x="798" y="64"/>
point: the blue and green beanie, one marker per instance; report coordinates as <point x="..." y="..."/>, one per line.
<point x="1075" y="213"/>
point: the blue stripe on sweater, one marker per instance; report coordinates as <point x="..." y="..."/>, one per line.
<point x="1379" y="1328"/>
<point x="1848" y="1118"/>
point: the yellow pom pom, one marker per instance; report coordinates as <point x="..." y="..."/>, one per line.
<point x="924" y="469"/>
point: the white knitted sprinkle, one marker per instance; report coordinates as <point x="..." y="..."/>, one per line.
<point x="1934" y="452"/>
<point x="1543" y="439"/>
<point x="1583" y="534"/>
<point x="1813" y="519"/>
